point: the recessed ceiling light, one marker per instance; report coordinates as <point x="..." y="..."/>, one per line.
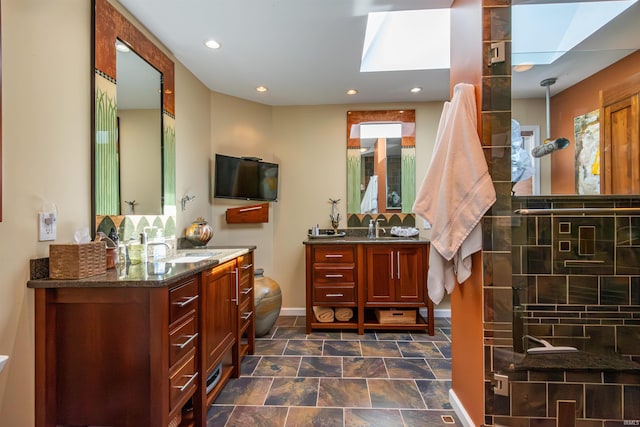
<point x="122" y="47"/>
<point x="415" y="89"/>
<point x="352" y="92"/>
<point x="520" y="68"/>
<point x="261" y="89"/>
<point x="212" y="44"/>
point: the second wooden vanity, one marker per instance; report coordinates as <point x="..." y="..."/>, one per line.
<point x="130" y="348"/>
<point x="366" y="276"/>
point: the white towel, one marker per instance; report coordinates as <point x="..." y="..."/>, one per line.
<point x="455" y="193"/>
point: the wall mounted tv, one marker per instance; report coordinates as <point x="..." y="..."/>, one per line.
<point x="245" y="178"/>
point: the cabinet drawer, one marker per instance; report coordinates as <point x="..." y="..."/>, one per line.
<point x="182" y="339"/>
<point x="246" y="293"/>
<point x="334" y="254"/>
<point x="183" y="299"/>
<point x="183" y="382"/>
<point x="334" y="294"/>
<point x="246" y="315"/>
<point x="333" y="274"/>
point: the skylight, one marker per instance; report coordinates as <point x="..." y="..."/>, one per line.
<point x="406" y="40"/>
<point x="543" y="33"/>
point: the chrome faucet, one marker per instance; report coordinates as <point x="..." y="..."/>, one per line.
<point x="378" y="228"/>
<point x="165" y="244"/>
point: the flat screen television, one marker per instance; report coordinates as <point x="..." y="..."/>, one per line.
<point x="245" y="178"/>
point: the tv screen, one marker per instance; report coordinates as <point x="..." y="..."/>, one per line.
<point x="245" y="178"/>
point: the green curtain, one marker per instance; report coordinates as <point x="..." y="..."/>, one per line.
<point x="107" y="167"/>
<point x="408" y="178"/>
<point x="169" y="165"/>
<point x="353" y="180"/>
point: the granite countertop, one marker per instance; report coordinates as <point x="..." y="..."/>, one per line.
<point x="360" y="236"/>
<point x="581" y="360"/>
<point x="149" y="274"/>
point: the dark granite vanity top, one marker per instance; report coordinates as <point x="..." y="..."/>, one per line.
<point x="150" y="274"/>
<point x="360" y="236"/>
<point x="581" y="360"/>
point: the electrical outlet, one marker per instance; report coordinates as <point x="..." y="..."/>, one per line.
<point x="46" y="226"/>
<point x="501" y="387"/>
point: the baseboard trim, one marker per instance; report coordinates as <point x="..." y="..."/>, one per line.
<point x="300" y="311"/>
<point x="458" y="408"/>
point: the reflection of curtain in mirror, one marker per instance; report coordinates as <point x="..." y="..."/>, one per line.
<point x="107" y="191"/>
<point x="169" y="165"/>
<point x="408" y="178"/>
<point x="353" y="180"/>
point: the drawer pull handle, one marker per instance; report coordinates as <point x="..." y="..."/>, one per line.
<point x="246" y="316"/>
<point x="247" y="291"/>
<point x="186" y="301"/>
<point x="333" y="256"/>
<point x="335" y="295"/>
<point x="188" y="383"/>
<point x="246" y="267"/>
<point x="188" y="341"/>
<point x="331" y="276"/>
<point x="253" y="208"/>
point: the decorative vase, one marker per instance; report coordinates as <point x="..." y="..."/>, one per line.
<point x="199" y="232"/>
<point x="268" y="302"/>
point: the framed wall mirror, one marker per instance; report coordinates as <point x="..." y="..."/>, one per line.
<point x="133" y="147"/>
<point x="381" y="160"/>
<point x="571" y="77"/>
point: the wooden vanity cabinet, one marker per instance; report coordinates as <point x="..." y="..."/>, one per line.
<point x="96" y="348"/>
<point x="368" y="277"/>
<point x="331" y="282"/>
<point x="245" y="314"/>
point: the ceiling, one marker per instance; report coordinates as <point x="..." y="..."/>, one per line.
<point x="307" y="52"/>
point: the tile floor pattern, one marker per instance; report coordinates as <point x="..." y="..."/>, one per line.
<point x="342" y="379"/>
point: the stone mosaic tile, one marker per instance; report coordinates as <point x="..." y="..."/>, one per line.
<point x="272" y="366"/>
<point x="438" y="336"/>
<point x="245" y="391"/>
<point x="342" y="392"/>
<point x="263" y="416"/>
<point x="435" y="393"/>
<point x="372" y="418"/>
<point x="603" y="401"/>
<point x="270" y="347"/>
<point x="304" y="348"/>
<point x="445" y="348"/>
<point x="320" y="367"/>
<point x="441" y="368"/>
<point x="408" y="368"/>
<point x="380" y="349"/>
<point x="249" y="363"/>
<point x="419" y="349"/>
<point x="218" y="415"/>
<point x="293" y="392"/>
<point x="395" y="394"/>
<point x="529" y="399"/>
<point x="565" y="392"/>
<point x="364" y="367"/>
<point x="293" y="332"/>
<point x="393" y="336"/>
<point x="325" y="335"/>
<point x="315" y="417"/>
<point x="342" y="348"/>
<point x="351" y="336"/>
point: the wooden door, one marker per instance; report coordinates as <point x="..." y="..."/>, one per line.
<point x="620" y="147"/>
<point x="410" y="282"/>
<point x="219" y="293"/>
<point x="380" y="274"/>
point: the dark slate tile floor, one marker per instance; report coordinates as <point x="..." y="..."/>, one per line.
<point x="341" y="379"/>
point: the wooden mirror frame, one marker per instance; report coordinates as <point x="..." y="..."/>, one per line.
<point x="108" y="25"/>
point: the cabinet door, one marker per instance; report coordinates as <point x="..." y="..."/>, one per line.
<point x="380" y="273"/>
<point x="219" y="293"/>
<point x="409" y="278"/>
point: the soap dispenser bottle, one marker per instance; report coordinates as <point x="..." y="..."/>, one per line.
<point x="370" y="233"/>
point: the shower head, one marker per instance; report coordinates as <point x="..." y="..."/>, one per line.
<point x="549" y="146"/>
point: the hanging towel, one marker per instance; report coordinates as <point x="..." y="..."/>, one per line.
<point x="455" y="193"/>
<point x="323" y="314"/>
<point x="343" y="314"/>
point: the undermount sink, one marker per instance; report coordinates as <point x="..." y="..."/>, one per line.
<point x="197" y="255"/>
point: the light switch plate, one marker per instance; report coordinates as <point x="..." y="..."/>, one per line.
<point x="46" y="226"/>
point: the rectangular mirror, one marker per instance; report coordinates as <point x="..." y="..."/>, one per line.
<point x="381" y="169"/>
<point x="134" y="130"/>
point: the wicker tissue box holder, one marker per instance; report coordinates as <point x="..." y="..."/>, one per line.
<point x="77" y="260"/>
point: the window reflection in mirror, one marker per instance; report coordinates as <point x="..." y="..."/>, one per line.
<point x="380" y="161"/>
<point x="139" y="134"/>
<point x="600" y="70"/>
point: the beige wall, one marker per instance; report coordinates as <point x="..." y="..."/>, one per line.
<point x="46" y="157"/>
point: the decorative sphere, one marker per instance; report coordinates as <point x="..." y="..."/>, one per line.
<point x="268" y="302"/>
